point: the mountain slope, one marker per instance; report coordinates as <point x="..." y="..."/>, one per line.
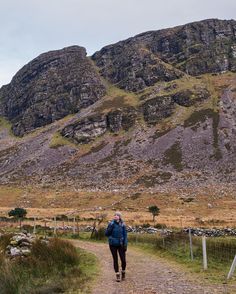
<point x="50" y="87"/>
<point x="156" y="110"/>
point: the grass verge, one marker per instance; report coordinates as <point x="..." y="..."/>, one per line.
<point x="56" y="267"/>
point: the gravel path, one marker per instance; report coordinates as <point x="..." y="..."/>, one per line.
<point x="146" y="274"/>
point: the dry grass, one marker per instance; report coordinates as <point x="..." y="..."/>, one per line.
<point x="175" y="211"/>
<point x="46" y="267"/>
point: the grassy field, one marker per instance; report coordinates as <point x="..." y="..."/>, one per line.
<point x="179" y="208"/>
<point x="54" y="268"/>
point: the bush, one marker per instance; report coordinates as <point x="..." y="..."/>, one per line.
<point x="4" y="241"/>
<point x="46" y="262"/>
<point x="99" y="234"/>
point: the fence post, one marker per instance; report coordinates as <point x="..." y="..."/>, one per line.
<point x="190" y="243"/>
<point x="204" y="252"/>
<point x="55" y="225"/>
<point x="34" y="230"/>
<point x="74" y="226"/>
<point x="45" y="228"/>
<point x="232" y="268"/>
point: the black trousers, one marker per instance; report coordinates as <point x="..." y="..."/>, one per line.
<point x="114" y="251"/>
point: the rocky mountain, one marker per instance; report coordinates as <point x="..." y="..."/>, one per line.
<point x="155" y="110"/>
<point x="50" y="87"/>
<point x="196" y="48"/>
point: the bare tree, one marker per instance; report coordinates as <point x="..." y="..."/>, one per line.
<point x="98" y="219"/>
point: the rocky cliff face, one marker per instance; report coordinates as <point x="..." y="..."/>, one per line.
<point x="50" y="87"/>
<point x="161" y="112"/>
<point x="196" y="48"/>
<point x="88" y="129"/>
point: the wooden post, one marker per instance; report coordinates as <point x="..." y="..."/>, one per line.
<point x="77" y="225"/>
<point x="74" y="229"/>
<point x="204" y="252"/>
<point x="34" y="230"/>
<point x="45" y="228"/>
<point x="232" y="268"/>
<point x="190" y="243"/>
<point x="163" y="242"/>
<point x="55" y="225"/>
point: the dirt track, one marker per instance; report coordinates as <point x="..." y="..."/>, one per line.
<point x="146" y="274"/>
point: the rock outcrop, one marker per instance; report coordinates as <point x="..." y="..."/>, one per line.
<point x="190" y="97"/>
<point x="51" y="86"/>
<point x="156" y="109"/>
<point x="131" y="66"/>
<point x="86" y="130"/>
<point x="207" y="46"/>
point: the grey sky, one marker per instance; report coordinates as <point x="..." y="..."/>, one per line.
<point x="30" y="27"/>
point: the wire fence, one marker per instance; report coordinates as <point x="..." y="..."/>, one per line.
<point x="219" y="249"/>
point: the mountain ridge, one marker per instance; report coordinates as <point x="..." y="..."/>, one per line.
<point x="155" y="110"/>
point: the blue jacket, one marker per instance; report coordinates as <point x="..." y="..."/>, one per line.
<point x="116" y="233"/>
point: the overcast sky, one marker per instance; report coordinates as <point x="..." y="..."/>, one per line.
<point x="30" y="27"/>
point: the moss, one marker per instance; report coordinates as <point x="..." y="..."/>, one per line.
<point x="173" y="156"/>
<point x="5" y="124"/>
<point x="200" y="116"/>
<point x="217" y="154"/>
<point x="58" y="140"/>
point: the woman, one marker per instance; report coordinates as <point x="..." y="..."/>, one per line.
<point x="117" y="238"/>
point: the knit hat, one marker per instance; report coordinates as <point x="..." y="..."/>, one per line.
<point x="119" y="214"/>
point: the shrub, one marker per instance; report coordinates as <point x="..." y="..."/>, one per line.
<point x="4" y="241"/>
<point x="99" y="234"/>
<point x="47" y="262"/>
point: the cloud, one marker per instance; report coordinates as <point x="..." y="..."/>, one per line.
<point x="30" y="27"/>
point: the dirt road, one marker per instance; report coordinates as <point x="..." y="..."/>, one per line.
<point x="146" y="274"/>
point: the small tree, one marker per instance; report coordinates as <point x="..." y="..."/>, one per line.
<point x="18" y="213"/>
<point x="154" y="210"/>
<point x="99" y="218"/>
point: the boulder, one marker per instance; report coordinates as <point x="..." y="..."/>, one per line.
<point x="156" y="109"/>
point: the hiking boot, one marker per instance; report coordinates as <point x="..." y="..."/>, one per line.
<point x="118" y="277"/>
<point x="123" y="275"/>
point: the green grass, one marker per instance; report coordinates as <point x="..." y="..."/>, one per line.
<point x="54" y="268"/>
<point x="173" y="156"/>
<point x="6" y="124"/>
<point x="176" y="249"/>
<point x="89" y="266"/>
<point x="58" y="140"/>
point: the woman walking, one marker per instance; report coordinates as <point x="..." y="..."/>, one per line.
<point x="117" y="238"/>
